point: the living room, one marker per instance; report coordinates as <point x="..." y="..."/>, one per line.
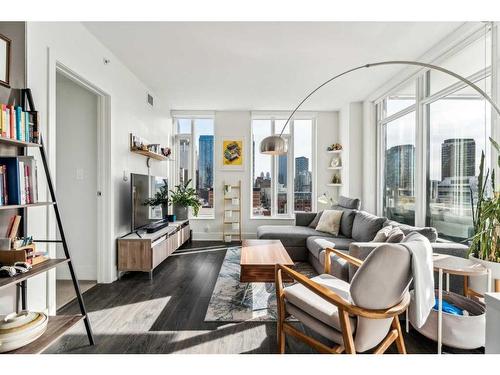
<point x="261" y="186"/>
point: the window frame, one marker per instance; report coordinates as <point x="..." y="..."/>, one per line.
<point x="275" y="130"/>
<point x="422" y="126"/>
<point x="192" y="162"/>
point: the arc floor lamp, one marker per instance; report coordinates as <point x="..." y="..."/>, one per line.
<point x="276" y="145"/>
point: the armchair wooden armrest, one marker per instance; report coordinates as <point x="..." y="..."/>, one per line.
<point x="332" y="297"/>
<point x="328" y="264"/>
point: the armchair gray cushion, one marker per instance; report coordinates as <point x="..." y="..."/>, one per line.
<point x="352" y="203"/>
<point x="366" y="226"/>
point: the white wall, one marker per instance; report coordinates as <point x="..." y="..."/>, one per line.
<point x="353" y="139"/>
<point x="237" y="124"/>
<point x="369" y="147"/>
<point x="76" y="170"/>
<point x="70" y="44"/>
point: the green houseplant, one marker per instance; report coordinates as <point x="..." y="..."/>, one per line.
<point x="159" y="199"/>
<point x="485" y="243"/>
<point x="182" y="197"/>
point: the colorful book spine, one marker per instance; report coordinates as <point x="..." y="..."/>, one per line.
<point x="18" y="123"/>
<point x="27" y="127"/>
<point x="12" y="124"/>
<point x="7" y="122"/>
<point x="3" y="120"/>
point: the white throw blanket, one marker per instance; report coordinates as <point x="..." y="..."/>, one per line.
<point x="423" y="279"/>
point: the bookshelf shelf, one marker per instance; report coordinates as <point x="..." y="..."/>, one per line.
<point x="15" y="206"/>
<point x="56" y="327"/>
<point x="335" y="152"/>
<point x="333" y="184"/>
<point x="150" y="154"/>
<point x="15" y="142"/>
<point x="37" y="269"/>
<point x="335" y="168"/>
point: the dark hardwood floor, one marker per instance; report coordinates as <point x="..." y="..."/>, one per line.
<point x="166" y="315"/>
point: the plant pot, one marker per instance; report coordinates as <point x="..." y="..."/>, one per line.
<point x="180" y="212"/>
<point x="164" y="210"/>
<point x="479" y="283"/>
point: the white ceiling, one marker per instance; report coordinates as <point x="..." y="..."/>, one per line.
<point x="263" y="66"/>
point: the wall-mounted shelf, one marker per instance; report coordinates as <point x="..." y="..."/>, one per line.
<point x="150" y="154"/>
<point x="335" y="168"/>
<point x="333" y="185"/>
<point x="335" y="151"/>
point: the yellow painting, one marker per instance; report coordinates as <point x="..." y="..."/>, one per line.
<point x="232" y="152"/>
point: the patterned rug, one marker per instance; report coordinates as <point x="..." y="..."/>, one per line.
<point x="227" y="304"/>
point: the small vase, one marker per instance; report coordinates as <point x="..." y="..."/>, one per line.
<point x="164" y="210"/>
<point x="180" y="212"/>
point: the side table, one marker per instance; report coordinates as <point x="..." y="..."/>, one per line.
<point x="451" y="265"/>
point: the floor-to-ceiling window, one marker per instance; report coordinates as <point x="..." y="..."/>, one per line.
<point x="195" y="159"/>
<point x="282" y="184"/>
<point x="448" y="124"/>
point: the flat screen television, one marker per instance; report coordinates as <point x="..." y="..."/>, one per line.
<point x="142" y="188"/>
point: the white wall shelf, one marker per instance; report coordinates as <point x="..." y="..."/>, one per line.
<point x="333" y="185"/>
<point x="335" y="152"/>
<point x="335" y="168"/>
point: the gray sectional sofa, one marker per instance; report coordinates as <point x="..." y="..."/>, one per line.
<point x="357" y="229"/>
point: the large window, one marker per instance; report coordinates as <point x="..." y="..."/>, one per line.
<point x="282" y="184"/>
<point x="195" y="159"/>
<point x="449" y="133"/>
<point x="399" y="191"/>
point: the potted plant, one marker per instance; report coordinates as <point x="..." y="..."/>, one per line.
<point x="159" y="199"/>
<point x="485" y="243"/>
<point x="183" y="197"/>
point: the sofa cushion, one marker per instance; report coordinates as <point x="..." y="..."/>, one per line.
<point x="304" y="219"/>
<point x="383" y="234"/>
<point x="396" y="235"/>
<point x="366" y="226"/>
<point x="429" y="232"/>
<point x="346" y="221"/>
<point x="290" y="235"/>
<point x="315" y="221"/>
<point x="352" y="203"/>
<point x="329" y="222"/>
<point x="316" y="244"/>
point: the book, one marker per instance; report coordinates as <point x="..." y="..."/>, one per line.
<point x="18" y="123"/>
<point x="27" y="127"/>
<point x="3" y="120"/>
<point x="12" y="122"/>
<point x="5" y="195"/>
<point x="13" y="226"/>
<point x="7" y="122"/>
<point x="22" y="182"/>
<point x="23" y="126"/>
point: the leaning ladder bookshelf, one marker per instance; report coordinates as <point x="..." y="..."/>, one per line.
<point x="230" y="208"/>
<point x="58" y="324"/>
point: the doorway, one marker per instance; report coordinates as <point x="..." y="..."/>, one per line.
<point x="76" y="182"/>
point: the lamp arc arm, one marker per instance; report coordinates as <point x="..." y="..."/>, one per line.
<point x="396" y="62"/>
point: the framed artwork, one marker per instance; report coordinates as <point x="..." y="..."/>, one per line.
<point x="4" y="61"/>
<point x="233" y="153"/>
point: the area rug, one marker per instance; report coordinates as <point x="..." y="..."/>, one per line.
<point x="227" y="304"/>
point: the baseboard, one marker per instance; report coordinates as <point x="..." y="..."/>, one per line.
<point x="203" y="236"/>
<point x="82" y="273"/>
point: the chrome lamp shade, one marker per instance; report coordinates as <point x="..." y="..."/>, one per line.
<point x="273" y="145"/>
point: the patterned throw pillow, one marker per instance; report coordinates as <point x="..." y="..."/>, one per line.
<point x="329" y="222"/>
<point x="383" y="234"/>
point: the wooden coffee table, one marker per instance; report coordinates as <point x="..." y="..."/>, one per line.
<point x="258" y="259"/>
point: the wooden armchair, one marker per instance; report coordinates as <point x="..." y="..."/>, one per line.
<point x="334" y="308"/>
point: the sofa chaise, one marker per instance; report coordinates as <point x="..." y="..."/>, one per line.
<point x="357" y="230"/>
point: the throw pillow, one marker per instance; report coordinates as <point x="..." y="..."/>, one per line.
<point x="315" y="221"/>
<point x="396" y="235"/>
<point x="366" y="226"/>
<point x="352" y="203"/>
<point x="382" y="235"/>
<point x="346" y="221"/>
<point x="428" y="232"/>
<point x="329" y="222"/>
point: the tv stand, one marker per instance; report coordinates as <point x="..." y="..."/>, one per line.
<point x="142" y="251"/>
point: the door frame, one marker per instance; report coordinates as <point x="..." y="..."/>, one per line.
<point x="103" y="222"/>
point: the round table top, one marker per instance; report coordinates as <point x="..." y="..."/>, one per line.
<point x="458" y="266"/>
